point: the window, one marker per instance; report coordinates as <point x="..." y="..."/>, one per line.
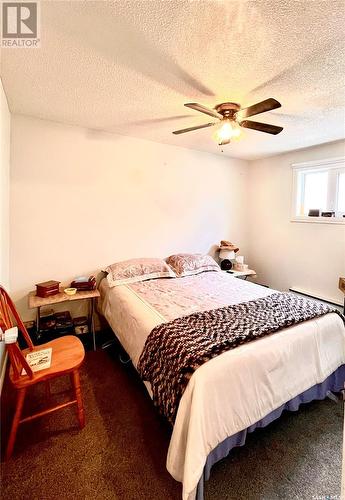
<point x="318" y="189"/>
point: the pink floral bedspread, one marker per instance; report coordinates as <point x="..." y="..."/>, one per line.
<point x="177" y="297"/>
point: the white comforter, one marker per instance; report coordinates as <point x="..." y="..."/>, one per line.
<point x="236" y="389"/>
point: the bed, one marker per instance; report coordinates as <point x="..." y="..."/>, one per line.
<point x="239" y="390"/>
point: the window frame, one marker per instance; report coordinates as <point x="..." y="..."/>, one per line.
<point x="334" y="166"/>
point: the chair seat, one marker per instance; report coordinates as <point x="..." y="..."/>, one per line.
<point x="67" y="354"/>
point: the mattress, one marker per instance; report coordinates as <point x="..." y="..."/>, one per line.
<point x="236" y="389"/>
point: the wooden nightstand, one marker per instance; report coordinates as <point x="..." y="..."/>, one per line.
<point x="90" y="295"/>
<point x="242" y="274"/>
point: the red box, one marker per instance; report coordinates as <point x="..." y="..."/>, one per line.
<point x="47" y="288"/>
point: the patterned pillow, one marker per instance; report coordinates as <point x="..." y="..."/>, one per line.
<point x="186" y="264"/>
<point x="133" y="270"/>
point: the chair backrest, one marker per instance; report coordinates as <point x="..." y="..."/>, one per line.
<point x="9" y="317"/>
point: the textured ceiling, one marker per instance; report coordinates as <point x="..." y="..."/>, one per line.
<point x="128" y="67"/>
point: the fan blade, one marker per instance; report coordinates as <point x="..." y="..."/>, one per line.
<point x="262" y="127"/>
<point x="203" y="109"/>
<point x="184" y="130"/>
<point x="258" y="108"/>
<point x="158" y="120"/>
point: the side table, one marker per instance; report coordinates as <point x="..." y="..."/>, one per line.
<point x="36" y="302"/>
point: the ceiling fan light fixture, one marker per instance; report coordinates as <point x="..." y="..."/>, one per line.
<point x="236" y="130"/>
<point x="227" y="131"/>
<point x="231" y="120"/>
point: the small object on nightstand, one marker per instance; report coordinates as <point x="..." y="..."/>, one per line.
<point x="227" y="245"/>
<point x="226" y="255"/>
<point x="47" y="324"/>
<point x="80" y="325"/>
<point x="70" y="291"/>
<point x="327" y="214"/>
<point x="227" y="252"/>
<point x="63" y="322"/>
<point x="314" y="212"/>
<point x="240" y="267"/>
<point x="82" y="283"/>
<point x="47" y="288"/>
<point x="226" y="265"/>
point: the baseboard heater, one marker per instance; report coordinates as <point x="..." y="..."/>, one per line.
<point x="314" y="296"/>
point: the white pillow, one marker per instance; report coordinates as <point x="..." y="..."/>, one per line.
<point x="134" y="270"/>
<point x="186" y="264"/>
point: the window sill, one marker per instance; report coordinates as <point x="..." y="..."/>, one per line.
<point x="319" y="220"/>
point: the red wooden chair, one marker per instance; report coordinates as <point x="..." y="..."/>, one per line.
<point x="67" y="356"/>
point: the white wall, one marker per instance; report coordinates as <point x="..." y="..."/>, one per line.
<point x="287" y="254"/>
<point x="4" y="187"/>
<point x="5" y="120"/>
<point x="81" y="200"/>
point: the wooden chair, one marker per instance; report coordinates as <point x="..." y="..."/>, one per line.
<point x="67" y="356"/>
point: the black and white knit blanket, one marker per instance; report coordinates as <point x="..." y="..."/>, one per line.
<point x="174" y="350"/>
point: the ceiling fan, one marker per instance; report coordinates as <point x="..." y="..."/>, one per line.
<point x="232" y="117"/>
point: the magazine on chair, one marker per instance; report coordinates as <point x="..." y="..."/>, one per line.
<point x="39" y="360"/>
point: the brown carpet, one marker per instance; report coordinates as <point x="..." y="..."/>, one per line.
<point x="121" y="453"/>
